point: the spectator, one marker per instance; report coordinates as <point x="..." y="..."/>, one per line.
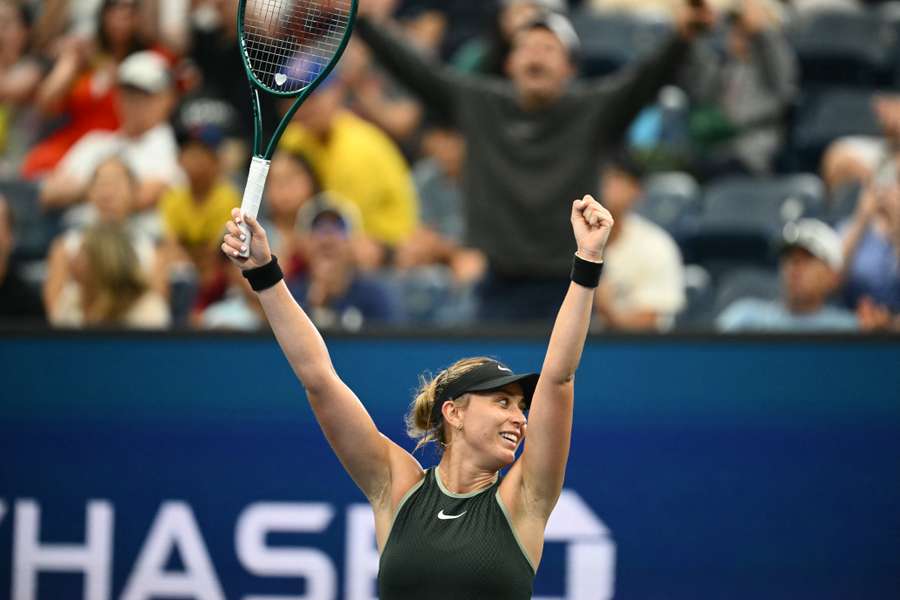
<point x="18" y="301"/>
<point x="811" y="262"/>
<point x="462" y="19"/>
<point x="20" y="74"/>
<point x="855" y="159"/>
<point x="358" y="162"/>
<point x="488" y="54"/>
<point x="215" y="51"/>
<point x="375" y="97"/>
<point x="531" y="143"/>
<point x="238" y="310"/>
<point x="111" y="197"/>
<point x="439" y="238"/>
<point x="290" y="186"/>
<point x="81" y="84"/>
<point x="332" y="291"/>
<point x="872" y="251"/>
<point x="643" y="287"/>
<point x="145" y="141"/>
<point x="110" y="289"/>
<point x="650" y="10"/>
<point x="192" y="214"/>
<point x="741" y="96"/>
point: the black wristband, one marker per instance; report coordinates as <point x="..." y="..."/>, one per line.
<point x="585" y="272"/>
<point x="264" y="277"/>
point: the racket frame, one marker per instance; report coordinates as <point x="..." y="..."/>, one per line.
<point x="259" y="164"/>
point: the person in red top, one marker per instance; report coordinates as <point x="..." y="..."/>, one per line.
<point x="80" y="88"/>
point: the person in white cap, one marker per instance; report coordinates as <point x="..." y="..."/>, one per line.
<point x="811" y="263"/>
<point x="145" y="140"/>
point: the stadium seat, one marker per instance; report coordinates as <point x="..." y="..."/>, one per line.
<point x="34" y="229"/>
<point x="747" y="282"/>
<point x="610" y="41"/>
<point x="670" y="200"/>
<point x="742" y="216"/>
<point x="827" y="116"/>
<point x="700" y="292"/>
<point x="844" y="48"/>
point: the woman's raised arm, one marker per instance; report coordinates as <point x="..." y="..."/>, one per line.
<point x="366" y="454"/>
<point x="543" y="462"/>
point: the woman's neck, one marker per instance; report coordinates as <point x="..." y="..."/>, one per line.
<point x="462" y="477"/>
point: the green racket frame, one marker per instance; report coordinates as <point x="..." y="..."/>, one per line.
<point x="259" y="165"/>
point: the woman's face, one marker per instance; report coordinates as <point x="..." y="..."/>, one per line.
<point x="289" y="185"/>
<point x="120" y="22"/>
<point x="13" y="33"/>
<point x="112" y="192"/>
<point x="494" y="424"/>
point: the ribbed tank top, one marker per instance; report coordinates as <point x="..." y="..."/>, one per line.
<point x="453" y="546"/>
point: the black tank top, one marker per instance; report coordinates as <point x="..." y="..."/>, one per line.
<point x="453" y="546"/>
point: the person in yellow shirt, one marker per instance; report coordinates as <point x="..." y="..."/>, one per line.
<point x="356" y="161"/>
<point x="192" y="215"/>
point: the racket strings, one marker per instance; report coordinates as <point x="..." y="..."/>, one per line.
<point x="289" y="42"/>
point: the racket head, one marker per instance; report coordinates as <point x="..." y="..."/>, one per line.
<point x="288" y="47"/>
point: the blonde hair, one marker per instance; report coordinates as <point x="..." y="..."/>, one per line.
<point x="419" y="423"/>
<point x="115" y="272"/>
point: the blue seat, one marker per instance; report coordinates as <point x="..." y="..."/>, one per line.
<point x="828" y="115"/>
<point x="845" y="48"/>
<point x="670" y="200"/>
<point x="609" y="42"/>
<point x="747" y="282"/>
<point x="699" y="289"/>
<point x="35" y="229"/>
<point x="742" y="216"/>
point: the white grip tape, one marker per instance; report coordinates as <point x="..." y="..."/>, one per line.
<point x="253" y="191"/>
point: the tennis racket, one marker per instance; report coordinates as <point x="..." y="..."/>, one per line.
<point x="288" y="48"/>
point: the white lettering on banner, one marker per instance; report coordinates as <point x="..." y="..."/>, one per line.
<point x="362" y="554"/>
<point x="589" y="571"/>
<point x="590" y="555"/>
<point x="173" y="528"/>
<point x="262" y="518"/>
<point x="30" y="557"/>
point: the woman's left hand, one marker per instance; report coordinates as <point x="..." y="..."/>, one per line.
<point x="592" y="225"/>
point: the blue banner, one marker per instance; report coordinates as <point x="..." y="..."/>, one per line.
<point x="192" y="467"/>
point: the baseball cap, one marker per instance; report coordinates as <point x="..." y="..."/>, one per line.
<point x="326" y="209"/>
<point x="146" y="71"/>
<point x="205" y="120"/>
<point x="817" y="238"/>
<point x="490" y="375"/>
<point x="558" y="25"/>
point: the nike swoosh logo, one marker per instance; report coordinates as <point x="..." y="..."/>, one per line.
<point x="505" y="369"/>
<point x="444" y="517"/>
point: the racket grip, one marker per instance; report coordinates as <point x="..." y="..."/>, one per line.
<point x="253" y="191"/>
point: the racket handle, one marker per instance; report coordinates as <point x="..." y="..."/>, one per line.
<point x="253" y="191"/>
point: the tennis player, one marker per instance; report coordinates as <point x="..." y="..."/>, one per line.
<point x="458" y="530"/>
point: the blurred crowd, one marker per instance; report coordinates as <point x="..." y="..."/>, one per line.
<point x="749" y="151"/>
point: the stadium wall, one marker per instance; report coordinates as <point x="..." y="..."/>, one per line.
<point x="162" y="466"/>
